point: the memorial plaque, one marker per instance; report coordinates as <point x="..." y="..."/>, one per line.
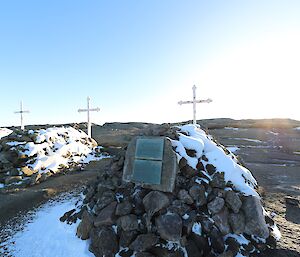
<point x="147" y="171"/>
<point x="149" y="149"/>
<point x="151" y="163"/>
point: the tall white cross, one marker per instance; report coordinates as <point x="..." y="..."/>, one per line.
<point x="21" y="112"/>
<point x="88" y="110"/>
<point x="194" y="102"/>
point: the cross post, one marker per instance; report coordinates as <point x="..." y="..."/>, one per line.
<point x="21" y="114"/>
<point x="194" y="102"/>
<point x="88" y="110"/>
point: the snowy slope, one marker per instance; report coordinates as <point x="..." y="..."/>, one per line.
<point x="56" y="239"/>
<point x="5" y="132"/>
<point x="192" y="137"/>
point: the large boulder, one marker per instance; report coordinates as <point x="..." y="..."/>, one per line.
<point x="254" y="217"/>
<point x="169" y="226"/>
<point x="106" y="216"/>
<point x="155" y="201"/>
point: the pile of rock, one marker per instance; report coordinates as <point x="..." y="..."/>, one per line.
<point x="203" y="216"/>
<point x="30" y="157"/>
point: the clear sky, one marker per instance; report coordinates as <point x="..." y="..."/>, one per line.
<point x="137" y="59"/>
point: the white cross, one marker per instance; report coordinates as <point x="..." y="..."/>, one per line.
<point x="194" y="102"/>
<point x="21" y="112"/>
<point x="88" y="110"/>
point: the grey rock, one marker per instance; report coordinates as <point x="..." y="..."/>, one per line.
<point x="128" y="222"/>
<point x="255" y="220"/>
<point x="34" y="178"/>
<point x="218" y="180"/>
<point x="85" y="226"/>
<point x="197" y="192"/>
<point x="189" y="222"/>
<point x="106" y="215"/>
<point x="217" y="242"/>
<point x="169" y="226"/>
<point x="155" y="201"/>
<point x="188" y="171"/>
<point x="227" y="253"/>
<point x="13" y="179"/>
<point x="123" y="208"/>
<point x="144" y="254"/>
<point x="104" y="200"/>
<point x="221" y="221"/>
<point x="216" y="205"/>
<point x="207" y="224"/>
<point x="160" y="251"/>
<point x="192" y="249"/>
<point x="233" y="201"/>
<point x="233" y="245"/>
<point x="237" y="222"/>
<point x="143" y="242"/>
<point x="125" y="253"/>
<point x="211" y="169"/>
<point x="179" y="207"/>
<point x="104" y="242"/>
<point x="185" y="197"/>
<point x="126" y="237"/>
<point x="182" y="163"/>
<point x="202" y="243"/>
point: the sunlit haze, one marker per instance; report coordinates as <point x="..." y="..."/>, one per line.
<point x="136" y="60"/>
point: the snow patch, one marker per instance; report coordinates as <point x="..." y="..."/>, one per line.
<point x="239" y="176"/>
<point x="233" y="149"/>
<point x="5" y="132"/>
<point x="44" y="235"/>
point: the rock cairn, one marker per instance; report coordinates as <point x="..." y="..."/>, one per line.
<point x="17" y="157"/>
<point x="203" y="216"/>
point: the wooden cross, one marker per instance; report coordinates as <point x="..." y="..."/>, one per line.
<point x="21" y="112"/>
<point x="88" y="110"/>
<point x="194" y="102"/>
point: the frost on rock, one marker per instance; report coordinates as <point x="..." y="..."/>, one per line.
<point x="32" y="156"/>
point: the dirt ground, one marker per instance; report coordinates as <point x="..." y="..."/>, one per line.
<point x="273" y="159"/>
<point x="271" y="154"/>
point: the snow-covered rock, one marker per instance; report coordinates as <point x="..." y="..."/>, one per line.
<point x="37" y="154"/>
<point x="214" y="209"/>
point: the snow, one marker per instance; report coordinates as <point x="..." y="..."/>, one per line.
<point x="232" y="128"/>
<point x="233" y="149"/>
<point x="276" y="233"/>
<point x="246" y="139"/>
<point x="198" y="140"/>
<point x="5" y="132"/>
<point x="239" y="238"/>
<point x="56" y="148"/>
<point x="56" y="239"/>
<point x="197" y="229"/>
<point x="15" y="143"/>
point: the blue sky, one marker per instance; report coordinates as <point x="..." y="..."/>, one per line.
<point x="137" y="59"/>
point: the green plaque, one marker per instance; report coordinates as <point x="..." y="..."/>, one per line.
<point x="147" y="171"/>
<point x="149" y="149"/>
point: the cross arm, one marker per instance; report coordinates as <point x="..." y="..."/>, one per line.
<point x="185" y="102"/>
<point x="204" y="101"/>
<point x="22" y="112"/>
<point x="91" y="110"/>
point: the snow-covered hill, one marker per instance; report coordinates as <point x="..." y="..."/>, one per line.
<point x="31" y="156"/>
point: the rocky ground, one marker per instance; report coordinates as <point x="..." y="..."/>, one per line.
<point x="269" y="149"/>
